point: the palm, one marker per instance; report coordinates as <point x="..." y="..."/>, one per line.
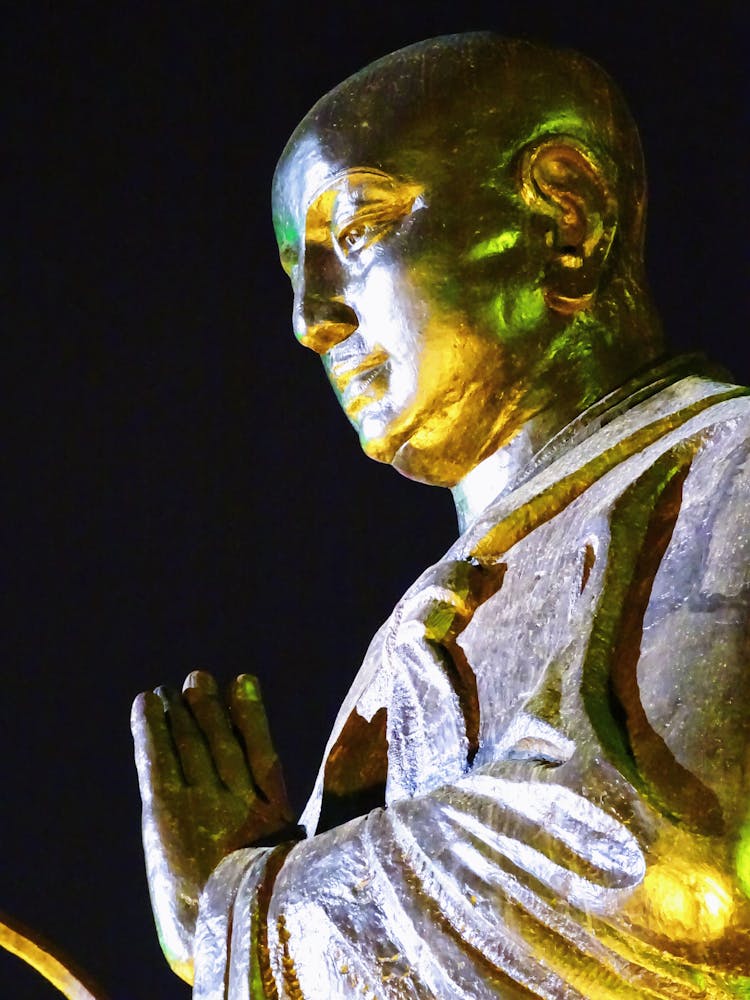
<point x="210" y="782"/>
<point x="213" y="821"/>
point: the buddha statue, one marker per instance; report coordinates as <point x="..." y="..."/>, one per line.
<point x="538" y="783"/>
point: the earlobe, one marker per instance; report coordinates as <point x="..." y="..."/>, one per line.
<point x="561" y="181"/>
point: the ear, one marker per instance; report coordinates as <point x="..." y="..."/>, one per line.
<point x="563" y="184"/>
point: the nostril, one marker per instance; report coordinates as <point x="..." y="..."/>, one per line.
<point x="326" y="322"/>
<point x="323" y="337"/>
<point x="320" y="311"/>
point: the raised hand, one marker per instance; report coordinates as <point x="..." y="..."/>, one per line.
<point x="211" y="782"/>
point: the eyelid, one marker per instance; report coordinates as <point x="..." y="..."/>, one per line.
<point x="367" y="216"/>
<point x="369" y="225"/>
<point x="373" y="215"/>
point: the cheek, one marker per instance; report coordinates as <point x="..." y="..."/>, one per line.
<point x="461" y="363"/>
<point x="435" y="371"/>
<point x="516" y="307"/>
<point x="389" y="312"/>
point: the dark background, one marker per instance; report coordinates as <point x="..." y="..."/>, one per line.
<point x="181" y="488"/>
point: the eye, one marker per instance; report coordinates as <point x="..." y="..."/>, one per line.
<point x="365" y="230"/>
<point x="367" y="205"/>
<point x="358" y="235"/>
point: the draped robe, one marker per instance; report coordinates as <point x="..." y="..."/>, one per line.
<point x="562" y="776"/>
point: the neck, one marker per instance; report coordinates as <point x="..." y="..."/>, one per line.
<point x="489" y="479"/>
<point x="497" y="473"/>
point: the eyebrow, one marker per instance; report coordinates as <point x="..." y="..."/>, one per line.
<point x="370" y="190"/>
<point x="368" y="172"/>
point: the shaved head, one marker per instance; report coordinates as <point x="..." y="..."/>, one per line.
<point x="475" y="98"/>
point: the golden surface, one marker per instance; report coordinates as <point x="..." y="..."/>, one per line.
<point x="537" y="785"/>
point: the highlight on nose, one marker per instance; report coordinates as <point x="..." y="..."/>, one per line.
<point x="322" y="323"/>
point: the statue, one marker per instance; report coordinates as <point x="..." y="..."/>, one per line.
<point x="537" y="785"/>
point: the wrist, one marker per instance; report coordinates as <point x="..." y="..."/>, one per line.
<point x="175" y="926"/>
<point x="174" y="902"/>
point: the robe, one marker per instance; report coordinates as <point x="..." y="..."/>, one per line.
<point x="544" y="756"/>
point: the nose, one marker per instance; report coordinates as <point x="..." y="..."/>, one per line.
<point x="320" y="324"/>
<point x="322" y="318"/>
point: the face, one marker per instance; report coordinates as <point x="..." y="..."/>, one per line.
<point x="422" y="299"/>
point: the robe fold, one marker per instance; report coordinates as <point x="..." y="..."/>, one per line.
<point x="555" y="721"/>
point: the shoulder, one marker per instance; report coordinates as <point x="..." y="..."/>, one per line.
<point x="719" y="440"/>
<point x="713" y="436"/>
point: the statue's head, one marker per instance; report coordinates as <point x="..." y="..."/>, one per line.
<point x="462" y="223"/>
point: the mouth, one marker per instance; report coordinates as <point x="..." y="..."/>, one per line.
<point x="352" y="377"/>
<point x="349" y="367"/>
<point x="354" y="397"/>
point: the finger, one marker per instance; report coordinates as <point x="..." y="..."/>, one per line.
<point x="192" y="749"/>
<point x="249" y="716"/>
<point x="202" y="695"/>
<point x="155" y="753"/>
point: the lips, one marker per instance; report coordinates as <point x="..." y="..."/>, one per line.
<point x="353" y="396"/>
<point x="352" y="374"/>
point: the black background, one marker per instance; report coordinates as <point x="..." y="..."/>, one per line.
<point x="181" y="488"/>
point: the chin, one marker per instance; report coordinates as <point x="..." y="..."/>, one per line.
<point x="421" y="467"/>
<point x="401" y="450"/>
<point x="380" y="449"/>
<point x="385" y="441"/>
<point x="378" y="438"/>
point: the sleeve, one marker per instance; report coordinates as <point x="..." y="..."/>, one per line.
<point x="498" y="885"/>
<point x="495" y="883"/>
<point x="231" y="923"/>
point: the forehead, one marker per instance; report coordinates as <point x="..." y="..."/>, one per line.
<point x="305" y="170"/>
<point x="381" y="119"/>
<point x="445" y="109"/>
